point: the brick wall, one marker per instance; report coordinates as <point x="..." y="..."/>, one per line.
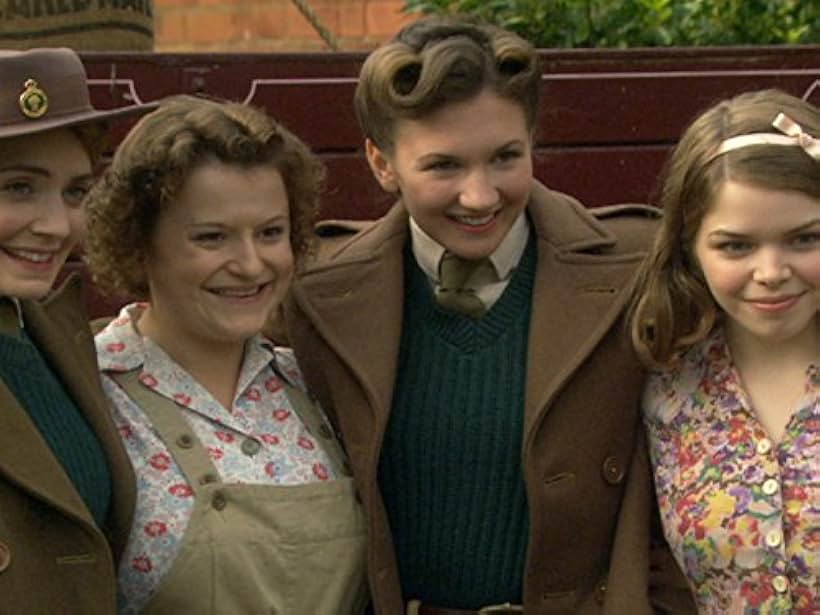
<point x="272" y="25"/>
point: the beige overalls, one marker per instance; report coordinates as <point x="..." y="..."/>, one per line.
<point x="260" y="549"/>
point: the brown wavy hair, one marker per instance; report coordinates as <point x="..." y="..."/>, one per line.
<point x="673" y="308"/>
<point x="94" y="138"/>
<point x="154" y="160"/>
<point x="439" y="60"/>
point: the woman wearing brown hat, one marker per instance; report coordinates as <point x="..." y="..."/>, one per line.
<point x="66" y="487"/>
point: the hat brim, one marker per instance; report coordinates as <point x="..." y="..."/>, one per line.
<point x="90" y="116"/>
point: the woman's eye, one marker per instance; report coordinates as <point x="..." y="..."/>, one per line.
<point x="734" y="247"/>
<point x="209" y="238"/>
<point x="273" y="232"/>
<point x="508" y="155"/>
<point x="75" y="195"/>
<point x="18" y="188"/>
<point x="806" y="241"/>
<point x="442" y="165"/>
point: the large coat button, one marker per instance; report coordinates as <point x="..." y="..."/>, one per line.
<point x="613" y="470"/>
<point x="5" y="556"/>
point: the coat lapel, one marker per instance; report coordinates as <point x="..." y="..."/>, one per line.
<point x="65" y="339"/>
<point x="57" y="328"/>
<point x="60" y="332"/>
<point x="579" y="292"/>
<point x="366" y="277"/>
<point x="28" y="461"/>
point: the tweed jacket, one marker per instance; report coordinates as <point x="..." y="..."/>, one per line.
<point x="53" y="557"/>
<point x="584" y="461"/>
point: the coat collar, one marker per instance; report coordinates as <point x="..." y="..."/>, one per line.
<point x="580" y="290"/>
<point x="364" y="277"/>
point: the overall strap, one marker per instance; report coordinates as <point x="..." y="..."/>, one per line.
<point x="172" y="428"/>
<point x="316" y="424"/>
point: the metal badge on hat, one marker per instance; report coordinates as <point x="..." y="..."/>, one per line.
<point x="33" y="101"/>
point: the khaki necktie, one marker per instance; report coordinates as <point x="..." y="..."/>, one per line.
<point x="457" y="284"/>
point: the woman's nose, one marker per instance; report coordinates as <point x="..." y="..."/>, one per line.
<point x="478" y="191"/>
<point x="53" y="218"/>
<point x="771" y="267"/>
<point x="247" y="259"/>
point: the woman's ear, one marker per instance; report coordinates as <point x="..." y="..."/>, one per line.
<point x="381" y="167"/>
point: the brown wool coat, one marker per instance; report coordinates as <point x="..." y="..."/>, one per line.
<point x="585" y="467"/>
<point x="54" y="559"/>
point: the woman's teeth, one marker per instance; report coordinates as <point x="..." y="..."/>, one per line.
<point x="34" y="257"/>
<point x="238" y="292"/>
<point x="473" y="221"/>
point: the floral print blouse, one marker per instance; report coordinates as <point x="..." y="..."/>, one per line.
<point x="740" y="512"/>
<point x="282" y="450"/>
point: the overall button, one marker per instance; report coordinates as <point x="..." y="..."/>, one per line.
<point x="774" y="538"/>
<point x="612" y="470"/>
<point x="250" y="447"/>
<point x="764" y="446"/>
<point x="185" y="441"/>
<point x="770" y="486"/>
<point x="219" y="501"/>
<point x="780" y="584"/>
<point x="5" y="556"/>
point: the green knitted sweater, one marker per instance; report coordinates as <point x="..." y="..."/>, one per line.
<point x="450" y="469"/>
<point x="38" y="390"/>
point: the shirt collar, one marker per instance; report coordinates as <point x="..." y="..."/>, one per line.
<point x="120" y="347"/>
<point x="428" y="251"/>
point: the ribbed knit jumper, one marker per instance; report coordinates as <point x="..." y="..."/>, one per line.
<point x="450" y="469"/>
<point x="38" y="390"/>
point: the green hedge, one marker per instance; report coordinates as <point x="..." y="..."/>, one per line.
<point x="643" y="23"/>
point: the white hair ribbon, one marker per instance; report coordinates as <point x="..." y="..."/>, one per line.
<point x="793" y="134"/>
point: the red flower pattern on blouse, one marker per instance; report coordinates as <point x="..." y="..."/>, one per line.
<point x="160" y="461"/>
<point x="155" y="528"/>
<point x="141" y="563"/>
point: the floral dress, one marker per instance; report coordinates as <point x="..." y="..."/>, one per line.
<point x="740" y="512"/>
<point x="259" y="440"/>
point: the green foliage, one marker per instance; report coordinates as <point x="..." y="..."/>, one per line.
<point x="643" y="23"/>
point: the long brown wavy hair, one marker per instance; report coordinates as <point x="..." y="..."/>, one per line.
<point x="673" y="308"/>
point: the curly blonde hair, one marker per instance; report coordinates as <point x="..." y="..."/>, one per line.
<point x="440" y="60"/>
<point x="673" y="309"/>
<point x="154" y="160"/>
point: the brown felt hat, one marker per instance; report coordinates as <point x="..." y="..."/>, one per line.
<point x="41" y="89"/>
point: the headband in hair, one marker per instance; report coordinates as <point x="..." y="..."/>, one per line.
<point x="793" y="134"/>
